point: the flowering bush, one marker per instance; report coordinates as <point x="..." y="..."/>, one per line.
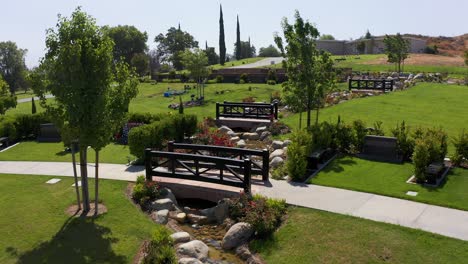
<point x="264" y="214"/>
<point x="211" y="136"/>
<point x="145" y="191"/>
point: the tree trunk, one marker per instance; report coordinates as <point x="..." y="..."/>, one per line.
<point x="84" y="178"/>
<point x="75" y="175"/>
<point x="300" y="120"/>
<point x="309" y="110"/>
<point x="96" y="185"/>
<point x="317" y="115"/>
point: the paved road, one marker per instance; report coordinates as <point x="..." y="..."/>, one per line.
<point x="435" y="219"/>
<point x="24" y="100"/>
<point x="260" y="63"/>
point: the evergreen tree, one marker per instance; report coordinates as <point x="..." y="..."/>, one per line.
<point x="238" y="47"/>
<point x="33" y="110"/>
<point x="222" y="43"/>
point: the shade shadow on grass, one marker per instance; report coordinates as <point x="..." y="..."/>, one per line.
<point x="78" y="241"/>
<point x="339" y="163"/>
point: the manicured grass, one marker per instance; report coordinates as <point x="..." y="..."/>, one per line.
<point x="35" y="228"/>
<point x="35" y="151"/>
<point x="390" y="180"/>
<point x="150" y="98"/>
<point x="425" y="105"/>
<point x="312" y="236"/>
<point x="235" y="63"/>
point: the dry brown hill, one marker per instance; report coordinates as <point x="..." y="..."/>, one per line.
<point x="452" y="46"/>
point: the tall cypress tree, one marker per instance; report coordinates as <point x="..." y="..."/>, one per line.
<point x="222" y="43"/>
<point x="238" y="42"/>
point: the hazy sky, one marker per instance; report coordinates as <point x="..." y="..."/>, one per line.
<point x="25" y="22"/>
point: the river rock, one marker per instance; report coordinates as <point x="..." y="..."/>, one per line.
<point x="217" y="213"/>
<point x="265" y="135"/>
<point x="237" y="235"/>
<point x="235" y="139"/>
<point x="287" y="142"/>
<point x="251" y="136"/>
<point x="189" y="261"/>
<point x="197" y="219"/>
<point x="277" y="144"/>
<point x="276" y="162"/>
<point x="180" y="237"/>
<point x="167" y="193"/>
<point x="161" y="216"/>
<point x="260" y="130"/>
<point x="232" y="133"/>
<point x="224" y="129"/>
<point x="162" y="204"/>
<point x="194" y="249"/>
<point x="277" y="153"/>
<point x="240" y="143"/>
<point x="243" y="252"/>
<point x="180" y="217"/>
<point x="419" y="76"/>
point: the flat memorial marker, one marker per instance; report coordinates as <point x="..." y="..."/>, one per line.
<point x="53" y="181"/>
<point x="79" y="184"/>
<point x="411" y="193"/>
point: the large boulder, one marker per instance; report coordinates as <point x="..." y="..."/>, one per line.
<point x="180" y="217"/>
<point x="162" y="204"/>
<point x="180" y="237"/>
<point x="250" y="136"/>
<point x="277" y="144"/>
<point x="419" y="76"/>
<point x="276" y="162"/>
<point x="189" y="261"/>
<point x="240" y="143"/>
<point x="194" y="249"/>
<point x="237" y="235"/>
<point x="265" y="135"/>
<point x="277" y="153"/>
<point x="161" y="216"/>
<point x="235" y="139"/>
<point x="167" y="193"/>
<point x="197" y="219"/>
<point x="224" y="129"/>
<point x="217" y="213"/>
<point x="260" y="130"/>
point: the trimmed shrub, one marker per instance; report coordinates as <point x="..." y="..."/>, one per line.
<point x="271" y="82"/>
<point x="29" y="125"/>
<point x="219" y="78"/>
<point x="360" y="132"/>
<point x="160" y="249"/>
<point x="461" y="149"/>
<point x="323" y="135"/>
<point x="248" y="99"/>
<point x="279" y="128"/>
<point x="421" y="159"/>
<point x="145" y="191"/>
<point x="296" y="164"/>
<point x="244" y="78"/>
<point x="344" y="137"/>
<point x="430" y="147"/>
<point x="8" y="128"/>
<point x="405" y="144"/>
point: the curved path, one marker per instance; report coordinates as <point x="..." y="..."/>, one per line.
<point x="435" y="219"/>
<point x="25" y="100"/>
<point x="265" y="62"/>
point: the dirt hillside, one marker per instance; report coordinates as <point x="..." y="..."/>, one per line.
<point x="452" y="46"/>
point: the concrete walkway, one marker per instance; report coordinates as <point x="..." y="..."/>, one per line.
<point x="261" y="63"/>
<point x="435" y="219"/>
<point x="25" y="100"/>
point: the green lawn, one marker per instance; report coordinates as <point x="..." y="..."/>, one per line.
<point x="35" y="228"/>
<point x="390" y="180"/>
<point x="312" y="236"/>
<point x="425" y="105"/>
<point x="34" y="151"/>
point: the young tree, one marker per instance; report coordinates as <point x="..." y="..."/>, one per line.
<point x="140" y="62"/>
<point x="196" y="63"/>
<point x="213" y="58"/>
<point x="397" y="49"/>
<point x="173" y="44"/>
<point x="368" y="35"/>
<point x="269" y="51"/>
<point x="247" y="50"/>
<point x="238" y="46"/>
<point x="33" y="106"/>
<point x="91" y="92"/>
<point x="7" y="99"/>
<point x="222" y="42"/>
<point x="128" y="41"/>
<point x="12" y="66"/>
<point x="310" y="73"/>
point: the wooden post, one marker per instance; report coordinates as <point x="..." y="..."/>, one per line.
<point x="170" y="146"/>
<point x="276" y="110"/>
<point x="149" y="170"/>
<point x="265" y="165"/>
<point x="217" y="111"/>
<point x="349" y="84"/>
<point x="247" y="176"/>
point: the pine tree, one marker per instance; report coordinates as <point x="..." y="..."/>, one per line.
<point x="33" y="110"/>
<point x="222" y="43"/>
<point x="238" y="42"/>
<point x="206" y="45"/>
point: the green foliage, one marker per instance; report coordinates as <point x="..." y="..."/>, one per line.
<point x="213" y="58"/>
<point x="173" y="44"/>
<point x="238" y="45"/>
<point x="361" y="47"/>
<point x="12" y="66"/>
<point x="7" y="99"/>
<point x="8" y="128"/>
<point x="128" y="41"/>
<point x="298" y="150"/>
<point x="160" y="248"/>
<point x="327" y="37"/>
<point x="22" y="126"/>
<point x="344" y="138"/>
<point x="264" y="214"/>
<point x="244" y="78"/>
<point x="219" y="78"/>
<point x="269" y="51"/>
<point x="279" y="128"/>
<point x="145" y="192"/>
<point x="222" y="42"/>
<point x="181" y="106"/>
<point x="360" y="131"/>
<point x="466" y="57"/>
<point x="140" y="62"/>
<point x="272" y="75"/>
<point x="397" y="49"/>
<point x="33" y="106"/>
<point x="431" y="49"/>
<point x="430" y="146"/>
<point x="196" y="63"/>
<point x="405" y="144"/>
<point x="377" y="130"/>
<point x="310" y="71"/>
<point x="461" y="149"/>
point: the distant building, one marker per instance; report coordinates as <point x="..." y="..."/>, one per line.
<point x="371" y="46"/>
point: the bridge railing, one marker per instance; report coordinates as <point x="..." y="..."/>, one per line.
<point x="383" y="85"/>
<point x="247" y="110"/>
<point x="224" y="171"/>
<point x="259" y="158"/>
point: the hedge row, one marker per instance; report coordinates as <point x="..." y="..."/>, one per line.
<point x="156" y="134"/>
<point x="22" y="126"/>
